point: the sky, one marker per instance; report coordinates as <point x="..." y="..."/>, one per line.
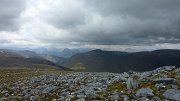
<point x="125" y="25"/>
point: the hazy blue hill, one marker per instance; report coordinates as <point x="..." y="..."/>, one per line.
<point x="29" y="54"/>
<point x="55" y="59"/>
<point x="11" y="59"/>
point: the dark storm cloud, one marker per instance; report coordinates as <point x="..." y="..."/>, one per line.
<point x="10" y="11"/>
<point x="106" y="23"/>
<point x="137" y="22"/>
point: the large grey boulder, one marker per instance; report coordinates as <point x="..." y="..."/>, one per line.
<point x="169" y="68"/>
<point x="173" y="94"/>
<point x="131" y="83"/>
<point x="144" y="92"/>
<point x="164" y="80"/>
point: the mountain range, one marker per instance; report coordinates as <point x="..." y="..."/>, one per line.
<point x="114" y="61"/>
<point x="94" y="61"/>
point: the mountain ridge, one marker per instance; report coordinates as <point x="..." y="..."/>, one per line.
<point x="116" y="61"/>
<point x="11" y="59"/>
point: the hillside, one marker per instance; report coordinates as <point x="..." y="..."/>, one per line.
<point x="10" y="59"/>
<point x="112" y="61"/>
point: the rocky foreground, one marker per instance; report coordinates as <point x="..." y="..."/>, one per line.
<point x="162" y="84"/>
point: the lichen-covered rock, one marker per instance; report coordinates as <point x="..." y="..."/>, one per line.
<point x="131" y="83"/>
<point x="173" y="94"/>
<point x="144" y="92"/>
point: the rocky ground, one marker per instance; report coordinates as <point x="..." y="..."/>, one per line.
<point x="162" y="84"/>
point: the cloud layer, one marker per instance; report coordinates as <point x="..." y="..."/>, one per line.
<point x="10" y="11"/>
<point x="116" y="24"/>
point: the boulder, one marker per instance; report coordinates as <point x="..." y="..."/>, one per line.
<point x="144" y="92"/>
<point x="131" y="83"/>
<point x="173" y="94"/>
<point x="169" y="68"/>
<point x="115" y="97"/>
<point x="164" y="80"/>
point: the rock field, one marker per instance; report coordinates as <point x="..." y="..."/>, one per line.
<point x="161" y="84"/>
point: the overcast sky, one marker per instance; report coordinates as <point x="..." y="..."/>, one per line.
<point x="107" y="24"/>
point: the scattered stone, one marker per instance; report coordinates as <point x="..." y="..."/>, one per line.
<point x="145" y="75"/>
<point x="81" y="99"/>
<point x="115" y="97"/>
<point x="90" y="93"/>
<point x="159" y="85"/>
<point x="4" y="92"/>
<point x="81" y="95"/>
<point x="32" y="98"/>
<point x="156" y="99"/>
<point x="144" y="99"/>
<point x="125" y="98"/>
<point x="93" y="86"/>
<point x="49" y="89"/>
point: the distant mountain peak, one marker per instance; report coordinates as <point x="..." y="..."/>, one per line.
<point x="66" y="49"/>
<point x="96" y="50"/>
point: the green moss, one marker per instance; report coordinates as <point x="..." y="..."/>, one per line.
<point x="117" y="86"/>
<point x="135" y="77"/>
<point x="73" y="98"/>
